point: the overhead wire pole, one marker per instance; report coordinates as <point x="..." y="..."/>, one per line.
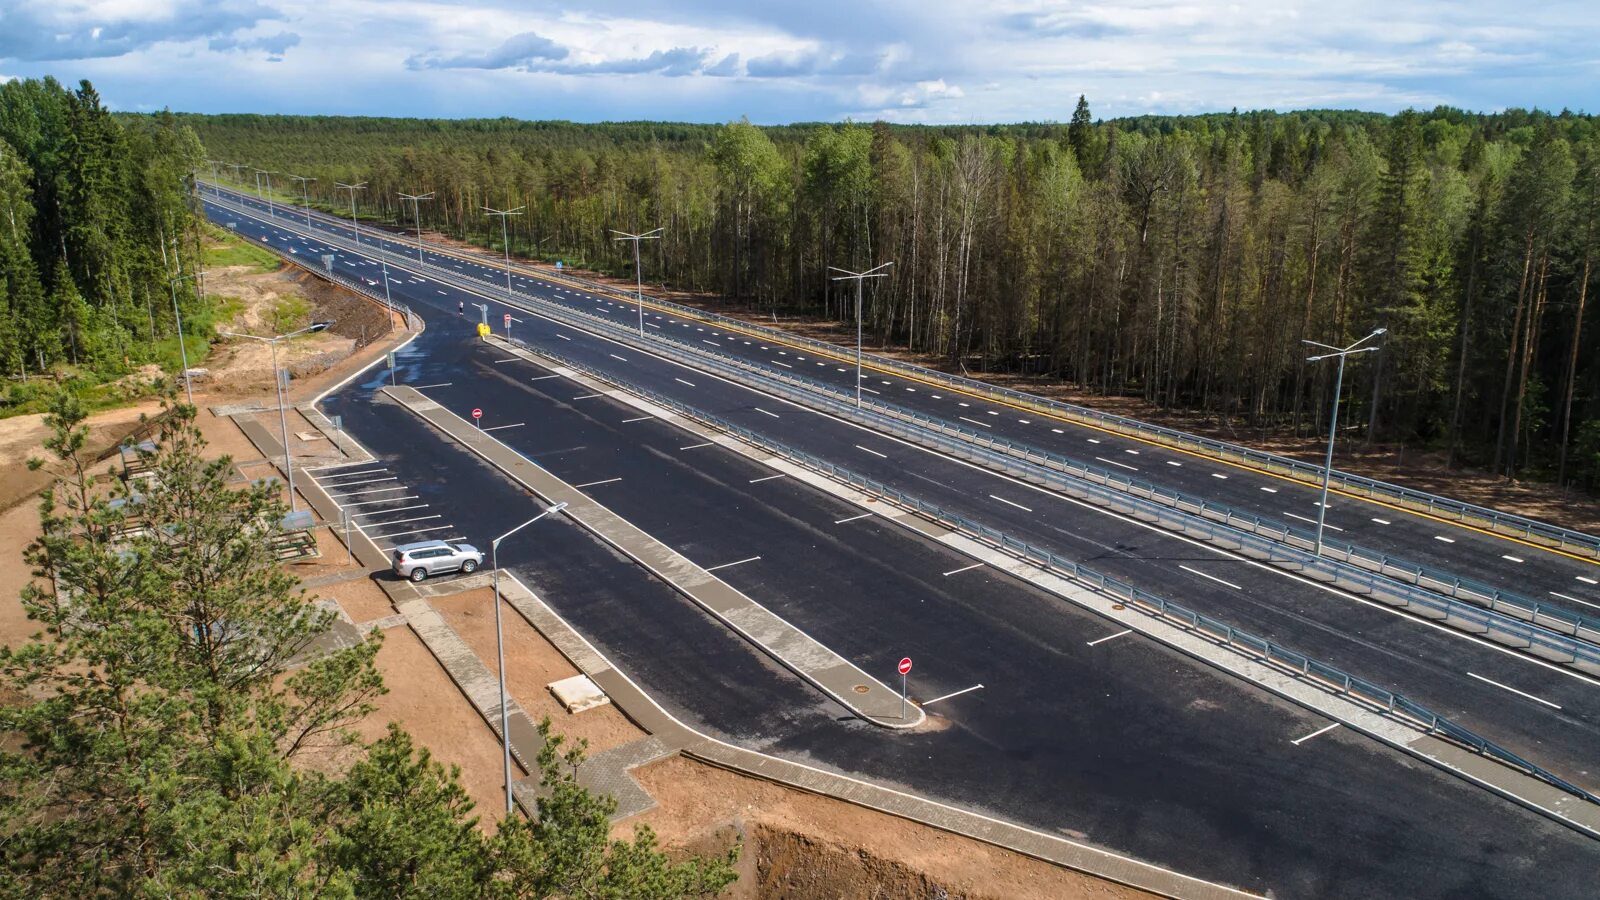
<point x="305" y="196"/>
<point x="416" y="214"/>
<point x="1333" y="419"/>
<point x="277" y="380"/>
<point x="859" y="278"/>
<point x="505" y="240"/>
<point x="638" y="278"/>
<point x="500" y="645"/>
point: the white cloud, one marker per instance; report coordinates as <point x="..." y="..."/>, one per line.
<point x="930" y="61"/>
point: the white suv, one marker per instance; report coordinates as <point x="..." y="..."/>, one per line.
<point x="423" y="558"/>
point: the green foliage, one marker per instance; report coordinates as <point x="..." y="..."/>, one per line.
<point x="157" y="721"/>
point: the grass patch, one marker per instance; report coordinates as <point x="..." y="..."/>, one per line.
<point x="232" y="250"/>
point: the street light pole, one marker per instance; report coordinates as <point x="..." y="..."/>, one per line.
<point x="416" y="214"/>
<point x="859" y="278"/>
<point x="305" y="196"/>
<point x="352" y="188"/>
<point x="505" y="240"/>
<point x="277" y="381"/>
<point x="500" y="645"/>
<point x="271" y="212"/>
<point x="638" y="279"/>
<point x="1333" y="418"/>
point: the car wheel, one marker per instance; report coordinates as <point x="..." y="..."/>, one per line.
<point x="419" y="573"/>
<point x="468" y="567"/>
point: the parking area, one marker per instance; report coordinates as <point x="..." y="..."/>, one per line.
<point x="375" y="502"/>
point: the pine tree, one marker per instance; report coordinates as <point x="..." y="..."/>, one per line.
<point x="1080" y="132"/>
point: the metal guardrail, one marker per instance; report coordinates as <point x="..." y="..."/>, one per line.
<point x="1492" y="623"/>
<point x="1494" y="520"/>
<point x="1326" y="677"/>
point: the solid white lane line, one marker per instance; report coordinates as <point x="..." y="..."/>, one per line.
<point x="851" y="519"/>
<point x="681" y="381"/>
<point x="871" y="391"/>
<point x="785" y="365"/>
<point x="498" y="427"/>
<point x="543" y="377"/>
<point x="953" y="694"/>
<point x="873" y="452"/>
<point x="765" y="478"/>
<point x="974" y="421"/>
<point x="1313" y="734"/>
<point x="602" y="481"/>
<point x="772" y="414"/>
<point x="697" y="446"/>
<point x="1574" y="599"/>
<point x="1212" y="577"/>
<point x="738" y="563"/>
<point x="1115" y="463"/>
<point x="1312" y="521"/>
<point x="1110" y="637"/>
<point x="1510" y="558"/>
<point x="1011" y="503"/>
<point x="637" y="419"/>
<point x="1513" y="690"/>
<point x="963" y="569"/>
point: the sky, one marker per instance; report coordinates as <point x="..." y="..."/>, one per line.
<point x="929" y="61"/>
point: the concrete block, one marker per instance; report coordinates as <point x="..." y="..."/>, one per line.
<point x="578" y="693"/>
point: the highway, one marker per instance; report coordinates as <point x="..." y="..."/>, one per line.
<point x="1535" y="709"/>
<point x="1112" y="738"/>
<point x="1535" y="571"/>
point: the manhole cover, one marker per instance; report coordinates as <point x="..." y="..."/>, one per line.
<point x="861" y="689"/>
<point x="1118" y="606"/>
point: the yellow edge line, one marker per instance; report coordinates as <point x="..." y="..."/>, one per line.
<point x="451" y="251"/>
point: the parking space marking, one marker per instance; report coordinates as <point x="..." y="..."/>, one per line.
<point x="962" y="569"/>
<point x="384" y="512"/>
<point x="601" y="481"/>
<point x="373" y="491"/>
<point x="873" y="452"/>
<point x="1509" y="558"/>
<point x="384" y="500"/>
<point x="1110" y="637"/>
<point x="766" y="478"/>
<point x="697" y="446"/>
<point x="851" y="519"/>
<point x="324" y="478"/>
<point x="368" y="481"/>
<point x="1324" y="730"/>
<point x="1513" y="690"/>
<point x="637" y="419"/>
<point x="541" y="377"/>
<point x="498" y="427"/>
<point x="409" y="533"/>
<point x="423" y="387"/>
<point x="588" y="396"/>
<point x="772" y="414"/>
<point x="681" y="381"/>
<point x="398" y="521"/>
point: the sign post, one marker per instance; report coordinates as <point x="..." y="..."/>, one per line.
<point x="905" y="669"/>
<point x="390" y="357"/>
<point x="349" y="547"/>
<point x="477" y="416"/>
<point x="508" y="326"/>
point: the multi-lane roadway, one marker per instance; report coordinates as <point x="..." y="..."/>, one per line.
<point x="1139" y="748"/>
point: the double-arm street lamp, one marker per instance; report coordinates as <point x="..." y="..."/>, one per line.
<point x="305" y="196"/>
<point x="1333" y="418"/>
<point x="504" y="240"/>
<point x="500" y="645"/>
<point x="859" y="278"/>
<point x="277" y="380"/>
<point x="416" y="214"/>
<point x="638" y="279"/>
<point x="271" y="212"/>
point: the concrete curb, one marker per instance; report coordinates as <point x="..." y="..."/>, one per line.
<point x="831" y="673"/>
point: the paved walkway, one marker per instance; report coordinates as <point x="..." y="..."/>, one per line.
<point x="799" y="652"/>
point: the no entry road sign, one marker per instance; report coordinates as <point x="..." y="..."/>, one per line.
<point x="905" y="666"/>
<point x="508" y="320"/>
<point x="477" y="413"/>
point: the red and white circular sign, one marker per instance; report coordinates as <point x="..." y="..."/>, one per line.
<point x="905" y="665"/>
<point x="477" y="413"/>
<point x="508" y="320"/>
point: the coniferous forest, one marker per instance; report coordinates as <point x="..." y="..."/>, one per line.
<point x="97" y="234"/>
<point x="1177" y="259"/>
